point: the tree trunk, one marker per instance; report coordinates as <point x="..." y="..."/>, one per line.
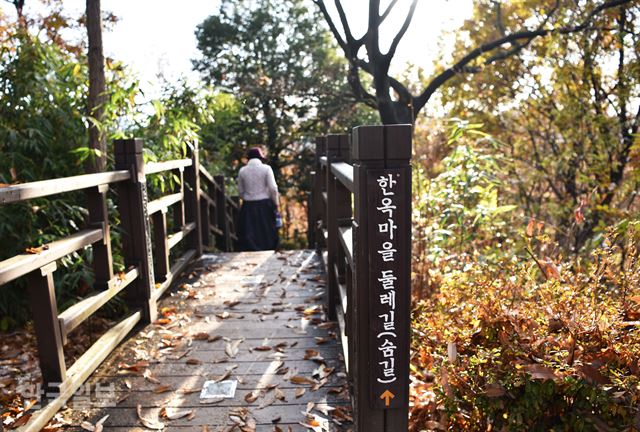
<point x="95" y="105"/>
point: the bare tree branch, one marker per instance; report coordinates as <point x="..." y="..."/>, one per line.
<point x="387" y="11"/>
<point x="401" y="33"/>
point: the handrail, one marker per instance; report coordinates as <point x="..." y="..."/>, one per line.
<point x="20" y="265"/>
<point x="156" y="167"/>
<point x="43" y="188"/>
<point x="344" y="173"/>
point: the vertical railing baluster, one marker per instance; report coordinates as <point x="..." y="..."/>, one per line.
<point x="161" y="252"/>
<point x="99" y="218"/>
<point x="136" y="236"/>
<point x="42" y="299"/>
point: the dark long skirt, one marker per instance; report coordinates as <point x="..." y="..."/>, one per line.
<point x="257" y="230"/>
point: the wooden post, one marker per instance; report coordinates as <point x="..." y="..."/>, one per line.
<point x="136" y="236"/>
<point x="192" y="201"/>
<point x="42" y="299"/>
<point x="338" y="207"/>
<point x="222" y="221"/>
<point x="99" y="218"/>
<point x="382" y="276"/>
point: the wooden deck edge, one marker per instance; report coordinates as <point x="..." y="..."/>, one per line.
<point x="81" y="370"/>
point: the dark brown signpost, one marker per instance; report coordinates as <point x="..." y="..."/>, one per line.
<point x="369" y="266"/>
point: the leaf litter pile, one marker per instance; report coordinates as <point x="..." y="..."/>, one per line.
<point x="204" y="332"/>
<point x="516" y="350"/>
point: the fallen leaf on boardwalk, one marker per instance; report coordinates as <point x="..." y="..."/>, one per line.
<point x="189" y="390"/>
<point x="211" y="401"/>
<point x="300" y="392"/>
<point x="162" y="389"/>
<point x="137" y="367"/>
<point x="147" y="375"/>
<point x="312" y="354"/>
<point x="222" y="377"/>
<point x="327" y="325"/>
<point x="262" y="348"/>
<point x="252" y="396"/>
<point x="321" y="340"/>
<point x="172" y="414"/>
<point x="301" y="380"/>
<point x="214" y="338"/>
<point x="200" y="336"/>
<point x="150" y="424"/>
<point x="98" y="426"/>
<point x="279" y="394"/>
<point x="231" y="348"/>
<point x="341" y="414"/>
<point x="194" y="362"/>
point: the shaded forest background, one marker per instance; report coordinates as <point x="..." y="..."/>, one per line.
<point x="526" y="178"/>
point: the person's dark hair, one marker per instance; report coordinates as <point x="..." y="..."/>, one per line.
<point x="255" y="153"/>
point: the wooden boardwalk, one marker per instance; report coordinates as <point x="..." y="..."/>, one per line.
<point x="257" y="318"/>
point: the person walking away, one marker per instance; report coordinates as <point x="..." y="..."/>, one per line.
<point x="260" y="203"/>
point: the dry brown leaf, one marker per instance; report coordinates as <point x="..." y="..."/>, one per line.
<point x="150" y="424"/>
<point x="252" y="396"/>
<point x="194" y="362"/>
<point x="162" y="389"/>
<point x="172" y="414"/>
<point x="301" y="380"/>
<point x="300" y="392"/>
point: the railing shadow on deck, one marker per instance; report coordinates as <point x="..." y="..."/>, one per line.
<point x="360" y="221"/>
<point x="201" y="209"/>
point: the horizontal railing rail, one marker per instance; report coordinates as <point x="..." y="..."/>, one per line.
<point x="359" y="220"/>
<point x="39" y="189"/>
<point x="196" y="217"/>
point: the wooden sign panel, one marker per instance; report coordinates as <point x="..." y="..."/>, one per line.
<point x="389" y="282"/>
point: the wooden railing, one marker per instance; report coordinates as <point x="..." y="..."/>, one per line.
<point x="360" y="221"/>
<point x="197" y="214"/>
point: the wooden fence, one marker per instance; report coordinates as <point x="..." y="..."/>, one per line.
<point x="201" y="209"/>
<point x="360" y="221"/>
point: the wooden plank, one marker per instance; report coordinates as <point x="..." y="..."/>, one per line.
<point x="21" y="265"/>
<point x="81" y="370"/>
<point x="344" y="173"/>
<point x="163" y="203"/>
<point x="156" y="167"/>
<point x="79" y="312"/>
<point x="346" y="239"/>
<point x="176" y="238"/>
<point x="175" y="271"/>
<point x="39" y="189"/>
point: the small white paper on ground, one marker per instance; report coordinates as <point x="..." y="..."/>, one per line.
<point x="222" y="389"/>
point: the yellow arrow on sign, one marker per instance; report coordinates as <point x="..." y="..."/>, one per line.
<point x="387" y="396"/>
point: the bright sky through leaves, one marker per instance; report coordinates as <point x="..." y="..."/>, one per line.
<point x="157" y="36"/>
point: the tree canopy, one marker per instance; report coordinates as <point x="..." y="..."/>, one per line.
<point x="507" y="37"/>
